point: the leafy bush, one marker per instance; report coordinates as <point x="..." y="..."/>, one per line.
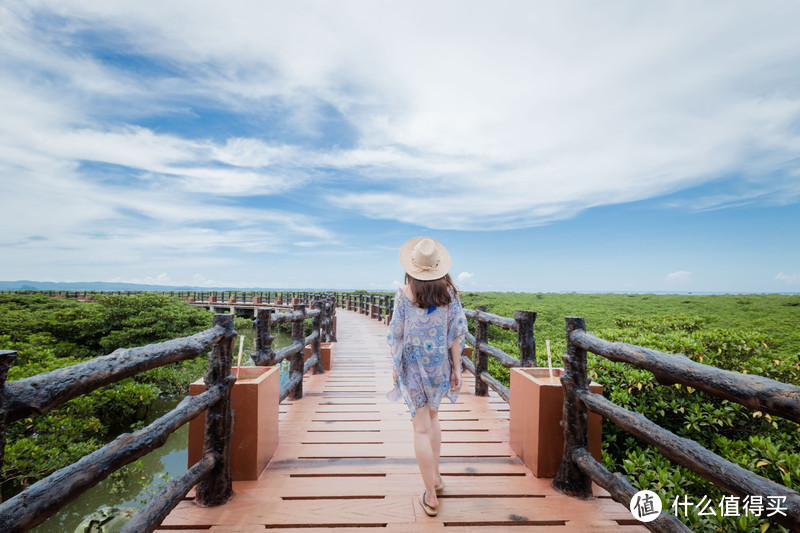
<point x="50" y="333"/>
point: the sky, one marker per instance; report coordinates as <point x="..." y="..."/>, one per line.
<point x="565" y="145"/>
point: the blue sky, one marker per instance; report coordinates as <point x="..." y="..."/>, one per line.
<point x="551" y="146"/>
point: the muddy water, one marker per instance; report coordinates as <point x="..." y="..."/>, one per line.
<point x="136" y="482"/>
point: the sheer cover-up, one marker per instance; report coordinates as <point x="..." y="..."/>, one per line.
<point x="420" y="341"/>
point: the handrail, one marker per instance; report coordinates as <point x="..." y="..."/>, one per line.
<point x="496" y="320"/>
<point x="522" y="323"/>
<point x="41" y="393"/>
<point x="44" y="498"/>
<point x="322" y="331"/>
<point x="756" y="392"/>
<point x="578" y="469"/>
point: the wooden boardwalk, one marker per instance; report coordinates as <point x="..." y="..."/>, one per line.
<point x="345" y="462"/>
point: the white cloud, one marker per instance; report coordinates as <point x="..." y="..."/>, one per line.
<point x="680" y="276"/>
<point x="202" y="281"/>
<point x="160" y="279"/>
<point x="791" y="279"/>
<point x="517" y="97"/>
<point x="464" y="278"/>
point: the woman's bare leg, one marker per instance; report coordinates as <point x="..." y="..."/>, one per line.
<point x="424" y="454"/>
<point x="435" y="436"/>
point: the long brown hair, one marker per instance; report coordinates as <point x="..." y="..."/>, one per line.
<point x="432" y="292"/>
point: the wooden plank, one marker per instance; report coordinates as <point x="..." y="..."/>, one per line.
<point x="392" y="484"/>
<point x="389" y="449"/>
<point x="295" y="513"/>
<point x="510" y="466"/>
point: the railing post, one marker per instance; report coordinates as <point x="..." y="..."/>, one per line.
<point x="333" y="323"/>
<point x="264" y="354"/>
<point x="574" y="420"/>
<point x="6" y="356"/>
<point x="216" y="488"/>
<point x="296" y="360"/>
<point x="325" y="330"/>
<point x="316" y="346"/>
<point x="481" y="358"/>
<point x="525" y="338"/>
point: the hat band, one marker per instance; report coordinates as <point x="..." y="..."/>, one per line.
<point x="422" y="268"/>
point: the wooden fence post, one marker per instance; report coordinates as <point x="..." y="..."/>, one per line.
<point x="316" y="325"/>
<point x="574" y="420"/>
<point x="481" y="358"/>
<point x="6" y="357"/>
<point x="216" y="488"/>
<point x="324" y="316"/>
<point x="264" y="354"/>
<point x="296" y="361"/>
<point x="525" y="338"/>
<point x="330" y="314"/>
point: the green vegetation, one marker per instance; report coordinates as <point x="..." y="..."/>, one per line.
<point x="755" y="334"/>
<point x="50" y="333"/>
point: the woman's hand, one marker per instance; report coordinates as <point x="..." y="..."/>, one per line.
<point x="455" y="380"/>
<point x="394" y="376"/>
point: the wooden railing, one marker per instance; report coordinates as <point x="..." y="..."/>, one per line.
<point x="322" y="331"/>
<point x="522" y="324"/>
<point x="211" y="475"/>
<point x="380" y="305"/>
<point x="578" y="468"/>
<point x="43" y="392"/>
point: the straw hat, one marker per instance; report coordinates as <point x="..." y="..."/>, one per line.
<point x="424" y="258"/>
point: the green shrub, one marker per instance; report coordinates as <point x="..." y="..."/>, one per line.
<point x="50" y="333"/>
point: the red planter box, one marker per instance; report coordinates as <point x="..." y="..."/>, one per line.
<point x="255" y="430"/>
<point x="534" y="426"/>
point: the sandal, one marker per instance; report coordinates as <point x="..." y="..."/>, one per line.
<point x="440" y="487"/>
<point x="430" y="511"/>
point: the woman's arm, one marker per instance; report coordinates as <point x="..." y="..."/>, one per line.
<point x="455" y="373"/>
<point x="457" y="329"/>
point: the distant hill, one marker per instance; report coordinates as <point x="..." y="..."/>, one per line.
<point x="28" y="285"/>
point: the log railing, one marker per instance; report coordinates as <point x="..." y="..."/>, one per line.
<point x="211" y="475"/>
<point x="381" y="305"/>
<point x="374" y="305"/>
<point x="522" y="324"/>
<point x="578" y="468"/>
<point x="321" y="316"/>
<point x="41" y="393"/>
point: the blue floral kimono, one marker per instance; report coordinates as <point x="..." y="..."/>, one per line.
<point x="420" y="341"/>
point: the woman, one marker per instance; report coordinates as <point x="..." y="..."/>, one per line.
<point x="426" y="336"/>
